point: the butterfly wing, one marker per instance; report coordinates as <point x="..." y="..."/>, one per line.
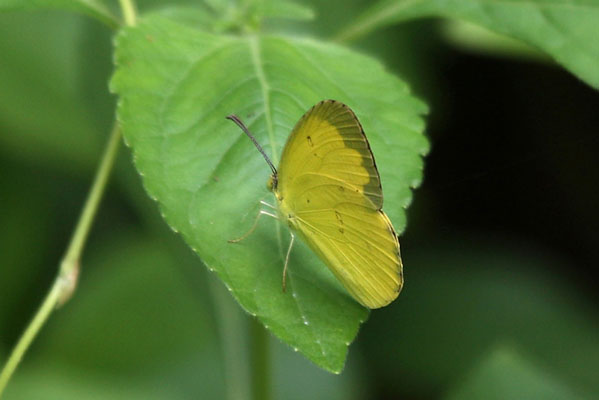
<point x="329" y="188"/>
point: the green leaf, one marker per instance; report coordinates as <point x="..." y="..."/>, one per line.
<point x="475" y="38"/>
<point x="220" y="6"/>
<point x="505" y="374"/>
<point x="287" y="10"/>
<point x="196" y="17"/>
<point x="176" y="85"/>
<point x="92" y="8"/>
<point x="566" y="30"/>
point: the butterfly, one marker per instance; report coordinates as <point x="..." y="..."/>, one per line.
<point x="329" y="192"/>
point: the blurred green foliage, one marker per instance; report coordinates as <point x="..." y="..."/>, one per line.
<point x="561" y="29"/>
<point x="484" y="314"/>
<point x="504" y="374"/>
<point x="464" y="301"/>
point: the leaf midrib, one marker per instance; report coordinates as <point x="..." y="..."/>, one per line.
<point x="254" y="45"/>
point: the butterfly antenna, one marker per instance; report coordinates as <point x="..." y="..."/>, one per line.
<point x="244" y="128"/>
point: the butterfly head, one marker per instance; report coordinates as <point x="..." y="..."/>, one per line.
<point x="272" y="182"/>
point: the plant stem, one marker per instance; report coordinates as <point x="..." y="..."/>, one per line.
<point x="260" y="361"/>
<point x="128" y="9"/>
<point x="231" y="320"/>
<point x="66" y="281"/>
<point x="69" y="266"/>
<point x="34" y="326"/>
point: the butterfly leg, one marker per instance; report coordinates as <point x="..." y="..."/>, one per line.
<point x="264" y="203"/>
<point x="248" y="233"/>
<point x="287" y="261"/>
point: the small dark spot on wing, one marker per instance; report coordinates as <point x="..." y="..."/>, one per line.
<point x="339" y="217"/>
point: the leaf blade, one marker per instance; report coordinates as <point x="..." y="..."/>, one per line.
<point x="564" y="30"/>
<point x="176" y="85"/>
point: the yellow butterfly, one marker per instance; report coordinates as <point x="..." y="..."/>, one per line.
<point x="329" y="191"/>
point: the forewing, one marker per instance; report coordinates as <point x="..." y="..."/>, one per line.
<point x="327" y="147"/>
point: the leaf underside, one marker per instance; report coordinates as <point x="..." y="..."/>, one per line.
<point x="567" y="30"/>
<point x="176" y="85"/>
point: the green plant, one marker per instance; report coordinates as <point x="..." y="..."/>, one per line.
<point x="179" y="70"/>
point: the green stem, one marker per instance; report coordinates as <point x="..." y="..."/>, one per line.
<point x="70" y="263"/>
<point x="231" y="320"/>
<point x="66" y="281"/>
<point x="34" y="326"/>
<point x="128" y="9"/>
<point x="260" y="361"/>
